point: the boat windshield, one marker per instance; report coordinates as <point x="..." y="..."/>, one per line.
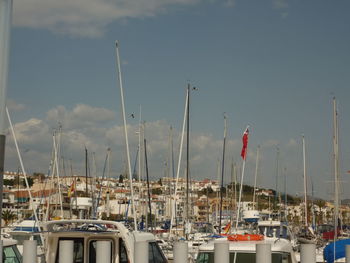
<point x="155" y="254"/>
<point x="78" y="249"/>
<point x="274" y="231"/>
<point x="208" y="257"/>
<point x="11" y="255"/>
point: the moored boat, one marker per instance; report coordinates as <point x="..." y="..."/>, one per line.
<point x="281" y="249"/>
<point x="86" y="233"/>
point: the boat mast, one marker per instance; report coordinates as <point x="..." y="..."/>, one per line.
<point x="256" y="175"/>
<point x="277" y="169"/>
<point x="187" y="158"/>
<point x="31" y="201"/>
<point x="336" y="168"/>
<point x="235" y="183"/>
<point x="126" y="134"/>
<point x="312" y="204"/>
<point x="222" y="170"/>
<point x="285" y="194"/>
<point x="305" y="183"/>
<point x="179" y="162"/>
<point x="217" y="193"/>
<point x="57" y="152"/>
<point x="148" y="187"/>
<point x="86" y="173"/>
<point x="52" y="172"/>
<point x="232" y="189"/>
<point x="139" y="146"/>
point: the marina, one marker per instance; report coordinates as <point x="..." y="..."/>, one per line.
<point x="150" y="192"/>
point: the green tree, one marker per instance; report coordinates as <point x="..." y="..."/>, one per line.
<point x="156" y="191"/>
<point x="30" y="182"/>
<point x="121" y="179"/>
<point x="39" y="176"/>
<point x="8" y="216"/>
<point x="9" y="182"/>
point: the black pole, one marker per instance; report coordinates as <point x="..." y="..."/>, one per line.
<point x="222" y="175"/>
<point x="148" y="190"/>
<point x="276" y="189"/>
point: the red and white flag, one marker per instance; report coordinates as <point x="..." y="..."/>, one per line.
<point x="245" y="143"/>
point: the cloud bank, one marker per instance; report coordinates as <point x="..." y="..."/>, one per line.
<point x="90" y="18"/>
<point x="86" y="18"/>
<point x="97" y="129"/>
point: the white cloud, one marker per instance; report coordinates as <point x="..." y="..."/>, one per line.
<point x="86" y="126"/>
<point x="95" y="128"/>
<point x="86" y="18"/>
<point x="32" y="131"/>
<point x="82" y="116"/>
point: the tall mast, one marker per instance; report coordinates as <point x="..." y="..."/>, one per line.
<point x="312" y="204"/>
<point x="222" y="170"/>
<point x="179" y="163"/>
<point x="56" y="148"/>
<point x="233" y="189"/>
<point x="336" y="168"/>
<point x="148" y="187"/>
<point x="31" y="202"/>
<point x="277" y="169"/>
<point x="93" y="182"/>
<point x="126" y="135"/>
<point x="256" y="174"/>
<point x="285" y="193"/>
<point x="305" y="183"/>
<point x="217" y="193"/>
<point x="139" y="161"/>
<point x="235" y="182"/>
<point x="86" y="173"/>
<point x="187" y="155"/>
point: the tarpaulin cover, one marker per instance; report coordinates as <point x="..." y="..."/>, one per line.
<point x="328" y="252"/>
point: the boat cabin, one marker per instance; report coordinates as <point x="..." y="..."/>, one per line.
<point x="281" y="250"/>
<point x="86" y="233"/>
<point x="272" y="228"/>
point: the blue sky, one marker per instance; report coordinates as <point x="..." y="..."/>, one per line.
<point x="273" y="64"/>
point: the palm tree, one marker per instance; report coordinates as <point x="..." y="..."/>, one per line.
<point x="8" y="216"/>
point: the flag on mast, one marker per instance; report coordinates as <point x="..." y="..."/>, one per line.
<point x="71" y="189"/>
<point x="245" y="143"/>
